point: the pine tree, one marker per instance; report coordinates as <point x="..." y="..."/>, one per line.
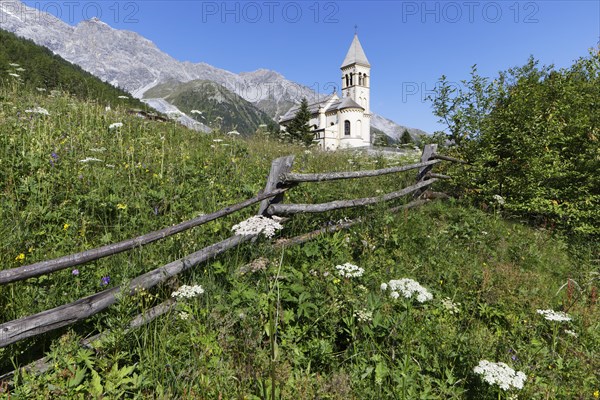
<point x="298" y="128"/>
<point x="406" y="138"/>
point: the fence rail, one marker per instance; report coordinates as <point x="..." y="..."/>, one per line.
<point x="278" y="182"/>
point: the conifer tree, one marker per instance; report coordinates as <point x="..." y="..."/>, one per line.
<point x="298" y="128"/>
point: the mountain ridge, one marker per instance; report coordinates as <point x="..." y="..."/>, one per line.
<point x="134" y="63"/>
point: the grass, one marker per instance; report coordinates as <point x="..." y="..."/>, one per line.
<point x="272" y="321"/>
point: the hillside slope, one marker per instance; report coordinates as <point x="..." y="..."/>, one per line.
<point x="212" y="104"/>
<point x="23" y="61"/>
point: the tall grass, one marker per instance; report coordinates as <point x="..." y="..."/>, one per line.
<point x="272" y="317"/>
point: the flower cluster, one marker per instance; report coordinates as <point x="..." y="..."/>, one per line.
<point x="116" y="125"/>
<point x="363" y="315"/>
<point x="499" y="199"/>
<point x="500" y="374"/>
<point x="38" y="110"/>
<point x="349" y="270"/>
<point x="408" y="288"/>
<point x="90" y="159"/>
<point x="187" y="292"/>
<point x="552" y="315"/>
<point x="256" y="225"/>
<point x="450" y="306"/>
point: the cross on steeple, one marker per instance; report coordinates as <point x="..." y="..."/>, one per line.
<point x="356" y="29"/>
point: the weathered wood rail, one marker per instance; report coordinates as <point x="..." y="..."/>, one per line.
<point x="279" y="181"/>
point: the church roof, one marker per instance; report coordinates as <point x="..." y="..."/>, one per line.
<point x="356" y="54"/>
<point x="329" y="104"/>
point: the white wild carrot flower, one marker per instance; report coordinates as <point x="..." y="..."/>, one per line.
<point x="90" y="159"/>
<point x="363" y="315"/>
<point x="348" y="270"/>
<point x="184" y="316"/>
<point x="116" y="125"/>
<point x="407" y="287"/>
<point x="187" y="292"/>
<point x="500" y="374"/>
<point x="499" y="199"/>
<point x="571" y="333"/>
<point x="552" y="315"/>
<point x="123" y="97"/>
<point x="38" y="110"/>
<point x="256" y="225"/>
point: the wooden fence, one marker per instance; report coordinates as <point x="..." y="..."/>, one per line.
<point x="280" y="180"/>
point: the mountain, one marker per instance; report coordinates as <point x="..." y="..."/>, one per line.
<point x="23" y="61"/>
<point x="221" y="108"/>
<point x="393" y="130"/>
<point x="134" y="63"/>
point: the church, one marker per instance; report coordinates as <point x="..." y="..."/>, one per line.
<point x="343" y="122"/>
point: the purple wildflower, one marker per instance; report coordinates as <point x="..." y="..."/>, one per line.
<point x="54" y="158"/>
<point x="105" y="280"/>
<point x="75" y="272"/>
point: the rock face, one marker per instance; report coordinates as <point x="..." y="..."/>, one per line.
<point x="132" y="62"/>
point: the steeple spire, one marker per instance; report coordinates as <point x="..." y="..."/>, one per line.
<point x="356" y="54"/>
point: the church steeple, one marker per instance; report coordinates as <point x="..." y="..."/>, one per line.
<point x="356" y="75"/>
<point x="356" y="54"/>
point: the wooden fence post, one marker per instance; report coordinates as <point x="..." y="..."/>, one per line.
<point x="280" y="166"/>
<point x="428" y="152"/>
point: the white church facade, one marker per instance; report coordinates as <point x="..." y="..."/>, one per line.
<point x="343" y="122"/>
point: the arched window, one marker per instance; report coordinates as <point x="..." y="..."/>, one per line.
<point x="347" y="128"/>
<point x="360" y="78"/>
<point x="365" y="80"/>
<point x="347" y="81"/>
<point x="351" y="79"/>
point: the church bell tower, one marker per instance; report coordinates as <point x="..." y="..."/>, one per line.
<point x="356" y="75"/>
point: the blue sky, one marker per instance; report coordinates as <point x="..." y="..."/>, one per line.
<point x="410" y="44"/>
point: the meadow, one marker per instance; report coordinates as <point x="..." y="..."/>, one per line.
<point x="267" y="320"/>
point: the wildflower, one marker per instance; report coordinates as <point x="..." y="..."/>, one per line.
<point x="217" y="140"/>
<point x="597" y="394"/>
<point x="256" y="225"/>
<point x="54" y="159"/>
<point x="121" y="206"/>
<point x="15" y="75"/>
<point x="196" y="112"/>
<point x="20" y="257"/>
<point x="187" y="292"/>
<point x="40" y="89"/>
<point x="408" y="288"/>
<point x="38" y="110"/>
<point x="75" y="272"/>
<point x="14" y="65"/>
<point x="500" y="374"/>
<point x="66" y="226"/>
<point x="116" y="125"/>
<point x="499" y="199"/>
<point x="336" y="281"/>
<point x="450" y="306"/>
<point x="184" y="316"/>
<point x="105" y="280"/>
<point x="233" y="132"/>
<point x="571" y="333"/>
<point x="348" y="270"/>
<point x="363" y="315"/>
<point x="383" y="286"/>
<point x="552" y="315"/>
<point x="89" y="159"/>
<point x="123" y="97"/>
